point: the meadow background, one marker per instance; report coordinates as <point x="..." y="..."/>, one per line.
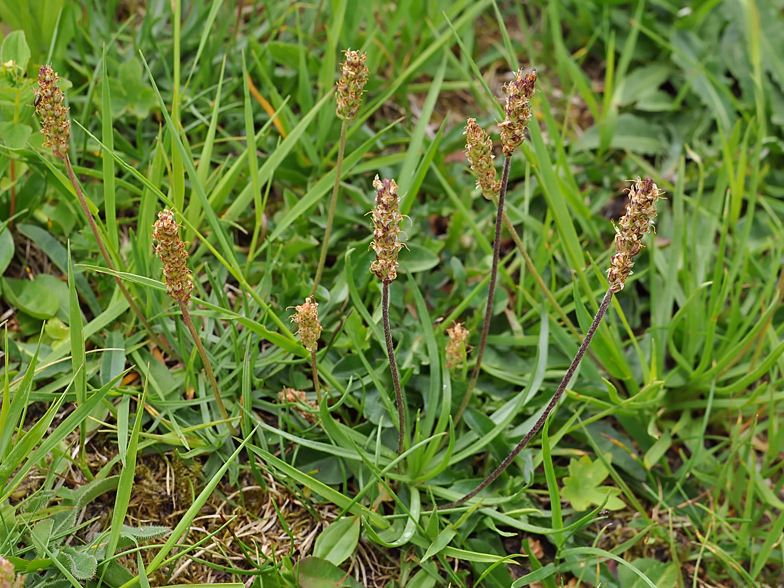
<point x="663" y="465"/>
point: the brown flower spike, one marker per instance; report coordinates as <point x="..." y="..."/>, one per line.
<point x="518" y="110"/>
<point x="351" y="84"/>
<point x="56" y="126"/>
<point x="479" y="150"/>
<point x="386" y="236"/>
<point x="637" y="221"/>
<point x="8" y="577"/>
<point x="309" y="325"/>
<point x="174" y="255"/>
<point x="456" y="348"/>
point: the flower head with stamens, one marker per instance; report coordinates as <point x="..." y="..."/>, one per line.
<point x="386" y="236"/>
<point x="351" y="84"/>
<point x="479" y="150"/>
<point x="55" y="124"/>
<point x="8" y="577"/>
<point x="174" y="256"/>
<point x="307" y="319"/>
<point x="637" y="221"/>
<point x="517" y="110"/>
<point x="456" y="347"/>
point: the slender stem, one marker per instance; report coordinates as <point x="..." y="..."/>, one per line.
<point x="401" y="411"/>
<point x="553" y="402"/>
<point x="332" y="203"/>
<point x="159" y="340"/>
<point x="315" y="376"/>
<point x="490" y="289"/>
<point x="186" y="318"/>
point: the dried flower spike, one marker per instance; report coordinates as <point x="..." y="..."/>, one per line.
<point x="174" y="255"/>
<point x="351" y="84"/>
<point x="479" y="150"/>
<point x="386" y="237"/>
<point x="637" y="221"/>
<point x="518" y="110"/>
<point x="56" y="126"/>
<point x="456" y="348"/>
<point x="295" y="397"/>
<point x="309" y="325"/>
<point x="8" y="577"/>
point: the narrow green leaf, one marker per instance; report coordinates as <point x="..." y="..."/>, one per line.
<point x="78" y="356"/>
<point x="107" y="134"/>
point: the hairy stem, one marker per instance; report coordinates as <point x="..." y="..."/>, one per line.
<point x="158" y="339"/>
<point x="490" y="289"/>
<point x="401" y="411"/>
<point x="186" y="318"/>
<point x="332" y="203"/>
<point x="315" y="376"/>
<point x="550" y="407"/>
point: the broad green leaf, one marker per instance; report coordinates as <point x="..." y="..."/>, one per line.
<point x="15" y="48"/>
<point x="338" y="541"/>
<point x="582" y="485"/>
<point x="419" y="259"/>
<point x="30" y="297"/>
<point x="659" y="572"/>
<point x="314" y="572"/>
<point x="82" y="564"/>
<point x="14" y="135"/>
<point x="632" y="133"/>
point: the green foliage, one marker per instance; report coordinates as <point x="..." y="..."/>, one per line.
<point x="229" y="117"/>
<point x="582" y="486"/>
<point x="338" y="541"/>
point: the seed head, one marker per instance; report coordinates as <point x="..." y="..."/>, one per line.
<point x="309" y="325"/>
<point x="518" y="110"/>
<point x="386" y="236"/>
<point x="292" y="396"/>
<point x="174" y="256"/>
<point x="8" y="577"/>
<point x="456" y="347"/>
<point x="55" y="124"/>
<point x="479" y="150"/>
<point x="637" y="221"/>
<point x="350" y="84"/>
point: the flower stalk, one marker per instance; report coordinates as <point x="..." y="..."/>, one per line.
<point x="56" y="128"/>
<point x="173" y="253"/>
<point x="637" y="221"/>
<point x="349" y="90"/>
<point x="386" y="243"/>
<point x="479" y="153"/>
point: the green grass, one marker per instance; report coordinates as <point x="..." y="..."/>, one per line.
<point x="116" y="466"/>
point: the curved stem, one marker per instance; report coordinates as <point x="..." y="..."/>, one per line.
<point x="158" y="339"/>
<point x="401" y="411"/>
<point x="332" y="203"/>
<point x="490" y="289"/>
<point x="553" y="402"/>
<point x="186" y="318"/>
